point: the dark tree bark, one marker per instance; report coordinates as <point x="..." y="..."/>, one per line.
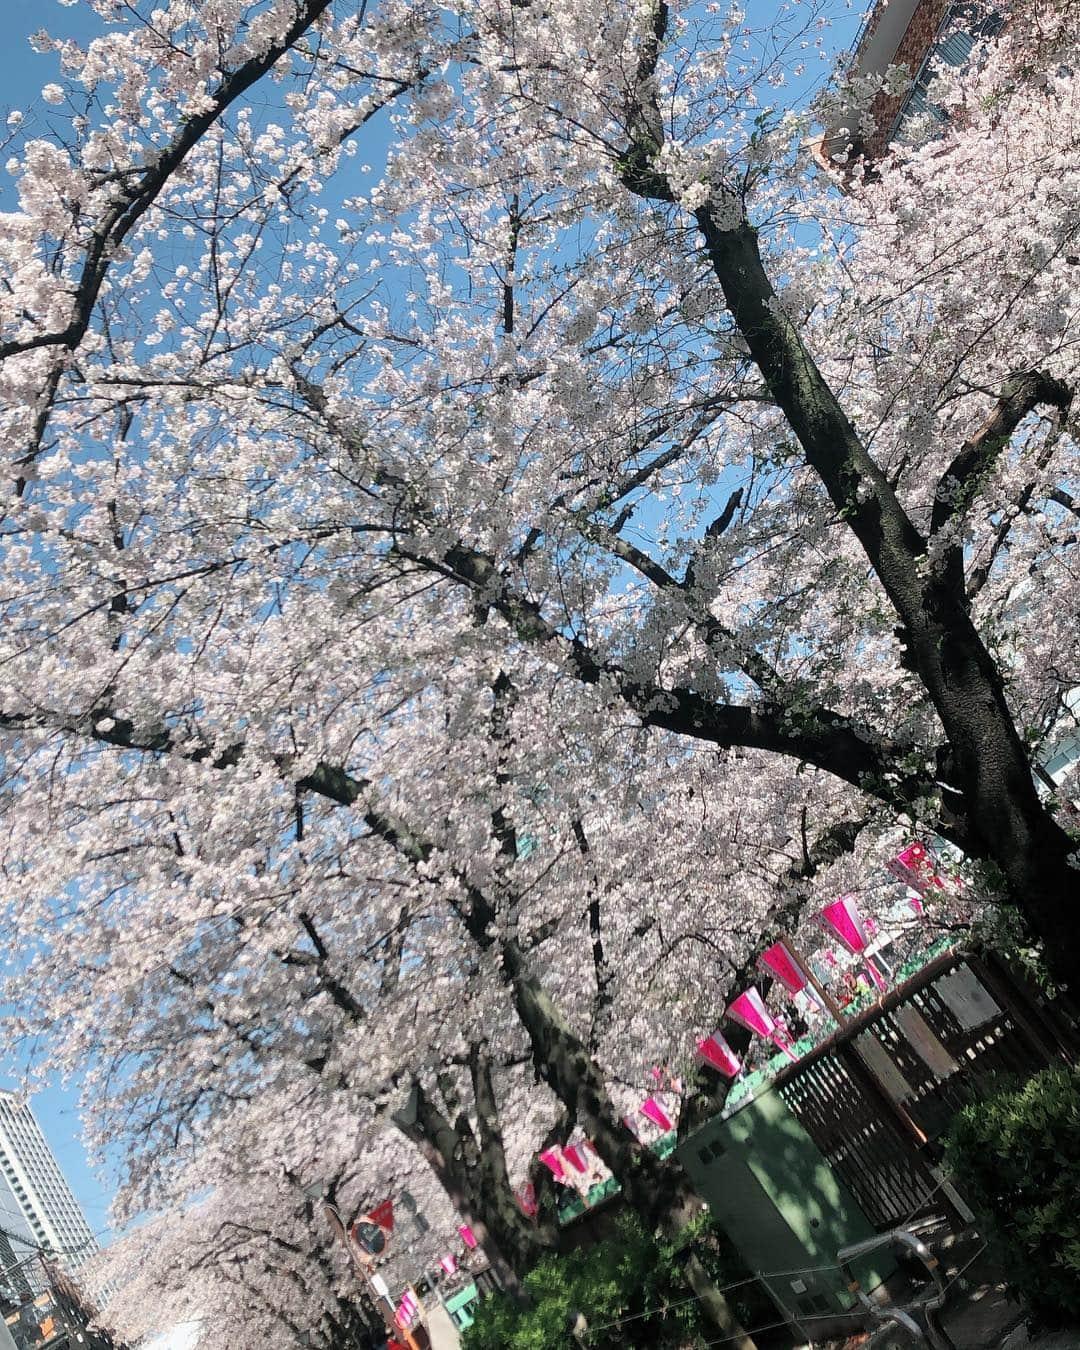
<point x="471" y="1167"/>
<point x="987" y="775"/>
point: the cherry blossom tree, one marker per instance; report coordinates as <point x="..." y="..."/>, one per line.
<point x="243" y="1267"/>
<point x="457" y="608"/>
<point x="477" y="447"/>
<point x="289" y="991"/>
<point x="243" y="1244"/>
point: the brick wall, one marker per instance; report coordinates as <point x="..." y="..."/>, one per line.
<point x="912" y="51"/>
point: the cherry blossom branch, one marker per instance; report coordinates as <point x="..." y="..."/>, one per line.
<point x="1021" y="395"/>
<point x="709" y="409"/>
<point x="341" y="997"/>
<point x="138" y="195"/>
<point x="980" y="574"/>
<point x="644" y="124"/>
<point x="819" y="736"/>
<point x="720" y="639"/>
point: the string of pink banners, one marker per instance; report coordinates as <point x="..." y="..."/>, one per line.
<point x="915" y="866"/>
<point x="407" y="1309"/>
<point x="842" y="921"/>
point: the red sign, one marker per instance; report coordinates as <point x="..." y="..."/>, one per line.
<point x="383" y="1215"/>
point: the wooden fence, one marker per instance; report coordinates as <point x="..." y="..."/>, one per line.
<point x="878" y="1094"/>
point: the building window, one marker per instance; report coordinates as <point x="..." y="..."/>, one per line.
<point x="920" y="119"/>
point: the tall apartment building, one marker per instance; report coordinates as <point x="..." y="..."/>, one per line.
<point x="921" y="35"/>
<point x="38" y="1211"/>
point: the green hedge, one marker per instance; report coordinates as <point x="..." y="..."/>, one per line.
<point x="1016" y="1158"/>
<point x="629" y="1289"/>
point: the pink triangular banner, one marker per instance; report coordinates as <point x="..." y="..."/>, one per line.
<point x="716" y="1052"/>
<point x="750" y="1012"/>
<point x="575" y="1156"/>
<point x="550" y="1158"/>
<point x="916" y="866"/>
<point x="652" y="1110"/>
<point x="780" y="963"/>
<point x="843" y="920"/>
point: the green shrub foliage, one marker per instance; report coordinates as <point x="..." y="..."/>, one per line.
<point x="1016" y="1157"/>
<point x="626" y="1290"/>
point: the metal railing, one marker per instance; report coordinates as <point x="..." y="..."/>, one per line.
<point x="918" y="1317"/>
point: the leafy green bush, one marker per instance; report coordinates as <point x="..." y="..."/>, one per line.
<point x="1016" y="1158"/>
<point x="629" y="1288"/>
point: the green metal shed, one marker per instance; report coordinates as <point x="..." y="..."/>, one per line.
<point x="784" y="1209"/>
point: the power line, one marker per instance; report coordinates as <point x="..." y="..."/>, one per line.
<point x="765" y="1275"/>
<point x="21" y="1238"/>
<point x="44" y="1251"/>
<point x="821" y="1317"/>
<point x="722" y="1289"/>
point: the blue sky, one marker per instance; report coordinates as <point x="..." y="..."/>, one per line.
<point x="22" y="71"/>
<point x="22" y="74"/>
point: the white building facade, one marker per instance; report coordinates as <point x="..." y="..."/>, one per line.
<point x="38" y="1212"/>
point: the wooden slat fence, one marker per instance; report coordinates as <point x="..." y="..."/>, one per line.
<point x="877" y="1095"/>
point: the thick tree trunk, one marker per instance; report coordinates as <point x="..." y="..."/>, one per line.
<point x="989" y="767"/>
<point x="682" y="1208"/>
<point x="990" y="788"/>
<point x="657" y="1191"/>
<point x="477" y="1188"/>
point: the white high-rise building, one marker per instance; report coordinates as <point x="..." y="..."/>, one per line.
<point x="38" y="1211"/>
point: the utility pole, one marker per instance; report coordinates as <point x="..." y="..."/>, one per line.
<point x="382" y="1302"/>
<point x="824" y="997"/>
